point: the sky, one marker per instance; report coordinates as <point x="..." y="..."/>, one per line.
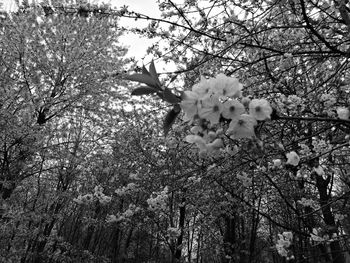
<point x="137" y="46"/>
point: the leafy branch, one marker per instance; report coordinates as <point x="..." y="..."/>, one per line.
<point x="153" y="86"/>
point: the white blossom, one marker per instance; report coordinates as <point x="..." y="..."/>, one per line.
<point x="293" y="158"/>
<point x="319" y="170"/>
<point x="343" y="113"/>
<point x="242" y="127"/>
<point x="204" y="88"/>
<point x="277" y="162"/>
<point x="260" y="109"/>
<point x="308" y="203"/>
<point x="111" y="219"/>
<point x="283" y="243"/>
<point x="232" y="109"/>
<point x="328" y="100"/>
<point x="227" y="86"/>
<point x="198" y="140"/>
<point x="216" y="145"/>
<point x="211" y="109"/>
<point x="190" y="104"/>
<point x="158" y="200"/>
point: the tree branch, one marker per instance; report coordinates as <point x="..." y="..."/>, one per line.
<point x="313" y="30"/>
<point x="312" y="119"/>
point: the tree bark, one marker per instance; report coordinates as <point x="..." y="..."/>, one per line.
<point x="178" y="249"/>
<point x="229" y="237"/>
<point x="336" y="250"/>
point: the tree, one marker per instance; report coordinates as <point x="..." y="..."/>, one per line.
<point x="241" y="155"/>
<point x="52" y="66"/>
<point x="58" y="85"/>
<point x="293" y="54"/>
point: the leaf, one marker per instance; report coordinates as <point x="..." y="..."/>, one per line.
<point x="153" y="72"/>
<point x="170" y="119"/>
<point x="152" y="69"/>
<point x="145" y="71"/>
<point x="149" y="78"/>
<point x="177" y="108"/>
<point x="143" y="78"/>
<point x="144" y="90"/>
<point x="168" y="96"/>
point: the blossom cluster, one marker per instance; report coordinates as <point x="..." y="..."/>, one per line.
<point x="343" y="113"/>
<point x="97" y="195"/>
<point x="125" y="190"/>
<point x="158" y="200"/>
<point x="125" y="216"/>
<point x="304" y="149"/>
<point x="308" y="203"/>
<point x="283" y="243"/>
<point x="245" y="179"/>
<point x="291" y="104"/>
<point x="219" y="100"/>
<point x="84" y="199"/>
<point x="303" y="173"/>
<point x="277" y="163"/>
<point x="320" y="146"/>
<point x="293" y="158"/>
<point x="320" y="171"/>
<point x="318" y="236"/>
<point x="101" y="197"/>
<point x="328" y="100"/>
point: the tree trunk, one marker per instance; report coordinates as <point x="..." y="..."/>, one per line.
<point x="6" y="191"/>
<point x="178" y="249"/>
<point x="115" y="245"/>
<point x="336" y="250"/>
<point x="229" y="237"/>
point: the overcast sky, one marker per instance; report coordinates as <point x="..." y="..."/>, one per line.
<point x="137" y="46"/>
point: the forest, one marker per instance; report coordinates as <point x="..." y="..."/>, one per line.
<point x="239" y="155"/>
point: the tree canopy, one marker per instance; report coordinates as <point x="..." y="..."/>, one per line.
<point x="239" y="155"/>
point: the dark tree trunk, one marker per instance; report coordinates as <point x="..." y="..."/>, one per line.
<point x="229" y="237"/>
<point x="115" y="245"/>
<point x="336" y="250"/>
<point x="178" y="249"/>
<point x="6" y="192"/>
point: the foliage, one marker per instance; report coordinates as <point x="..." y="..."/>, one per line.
<point x="293" y="56"/>
<point x="240" y="155"/>
<point x="59" y="101"/>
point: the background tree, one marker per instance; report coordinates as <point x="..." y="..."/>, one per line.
<point x="59" y="102"/>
